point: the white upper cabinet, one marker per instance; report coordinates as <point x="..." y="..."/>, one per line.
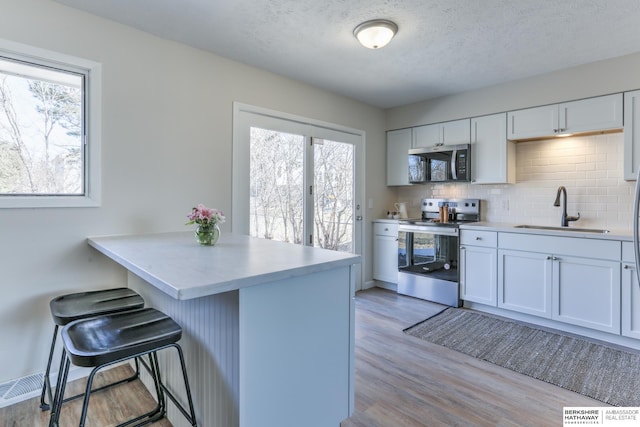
<point x="586" y="115"/>
<point x="398" y="145"/>
<point x="533" y="122"/>
<point x="631" y="134"/>
<point x="446" y="133"/>
<point x="493" y="156"/>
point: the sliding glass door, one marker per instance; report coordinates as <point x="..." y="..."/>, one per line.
<point x="301" y="189"/>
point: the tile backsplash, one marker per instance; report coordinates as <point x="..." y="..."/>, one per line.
<point x="590" y="167"/>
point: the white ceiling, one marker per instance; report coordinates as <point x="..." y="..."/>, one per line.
<point x="442" y="46"/>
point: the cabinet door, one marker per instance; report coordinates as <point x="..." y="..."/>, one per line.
<point x="478" y="280"/>
<point x="398" y="145"/>
<point x="586" y="292"/>
<point x="456" y="132"/>
<point x="631" y="134"/>
<point x="493" y="156"/>
<point x="524" y="282"/>
<point x="426" y="136"/>
<point x="599" y="113"/>
<point x="385" y="258"/>
<point x="630" y="302"/>
<point x="533" y="122"/>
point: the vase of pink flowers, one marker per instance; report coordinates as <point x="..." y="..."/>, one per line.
<point x="208" y="231"/>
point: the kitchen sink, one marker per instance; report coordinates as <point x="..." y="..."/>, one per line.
<point x="581" y="230"/>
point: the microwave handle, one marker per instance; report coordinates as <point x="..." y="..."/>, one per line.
<point x="454" y="165"/>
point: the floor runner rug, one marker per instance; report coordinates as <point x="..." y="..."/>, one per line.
<point x="604" y="373"/>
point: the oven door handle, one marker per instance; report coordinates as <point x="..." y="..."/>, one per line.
<point x="448" y="231"/>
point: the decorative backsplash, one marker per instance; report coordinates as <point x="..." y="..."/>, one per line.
<point x="590" y="167"/>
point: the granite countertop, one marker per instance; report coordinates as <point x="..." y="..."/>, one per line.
<point x="178" y="266"/>
<point x="572" y="231"/>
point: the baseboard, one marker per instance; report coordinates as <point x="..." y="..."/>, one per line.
<point x="384" y="285"/>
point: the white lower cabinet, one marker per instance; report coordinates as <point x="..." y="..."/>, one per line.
<point x="571" y="280"/>
<point x="525" y="282"/>
<point x="478" y="267"/>
<point x="630" y="294"/>
<point x="385" y="252"/>
<point x="587" y="293"/>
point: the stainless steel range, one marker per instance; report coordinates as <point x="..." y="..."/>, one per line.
<point x="428" y="249"/>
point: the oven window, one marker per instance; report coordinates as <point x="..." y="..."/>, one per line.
<point x="402" y="248"/>
<point x="429" y="254"/>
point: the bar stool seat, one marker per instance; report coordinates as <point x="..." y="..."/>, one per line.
<point x="70" y="307"/>
<point x="82" y="305"/>
<point x="102" y="341"/>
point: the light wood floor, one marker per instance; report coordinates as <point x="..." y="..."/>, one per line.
<point x="401" y="381"/>
<point x="107" y="408"/>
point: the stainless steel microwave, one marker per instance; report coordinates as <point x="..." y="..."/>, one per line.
<point x="442" y="163"/>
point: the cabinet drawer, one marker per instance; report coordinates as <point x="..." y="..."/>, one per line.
<point x="587" y="248"/>
<point x="385" y="229"/>
<point x="487" y="239"/>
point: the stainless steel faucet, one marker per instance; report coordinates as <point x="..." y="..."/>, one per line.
<point x="565" y="218"/>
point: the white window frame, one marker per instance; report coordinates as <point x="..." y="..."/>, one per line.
<point x="92" y="126"/>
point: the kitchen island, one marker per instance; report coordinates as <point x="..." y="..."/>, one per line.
<point x="268" y="327"/>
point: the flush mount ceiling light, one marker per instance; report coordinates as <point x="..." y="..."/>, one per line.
<point x="376" y="33"/>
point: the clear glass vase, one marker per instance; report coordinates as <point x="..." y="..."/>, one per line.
<point x="207" y="235"/>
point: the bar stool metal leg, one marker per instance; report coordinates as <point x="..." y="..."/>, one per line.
<point x="46" y="386"/>
<point x="56" y="404"/>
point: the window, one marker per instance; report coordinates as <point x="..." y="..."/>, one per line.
<point x="49" y="143"/>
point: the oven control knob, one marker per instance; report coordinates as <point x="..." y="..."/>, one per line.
<point x="447" y="266"/>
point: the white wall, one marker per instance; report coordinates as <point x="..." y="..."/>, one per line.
<point x="166" y="145"/>
<point x="598" y="78"/>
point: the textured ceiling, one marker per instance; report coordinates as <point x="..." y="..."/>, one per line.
<point x="442" y="46"/>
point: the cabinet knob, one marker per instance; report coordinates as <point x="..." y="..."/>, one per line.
<point x="549" y="257"/>
<point x="478" y="238"/>
<point x="462" y="248"/>
<point x="629" y="267"/>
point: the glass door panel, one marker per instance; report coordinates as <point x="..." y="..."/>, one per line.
<point x="276" y="199"/>
<point x="333" y="195"/>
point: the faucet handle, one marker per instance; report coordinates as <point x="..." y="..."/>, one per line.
<point x="573" y="218"/>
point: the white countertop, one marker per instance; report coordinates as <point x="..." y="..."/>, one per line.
<point x="573" y="231"/>
<point x="177" y="265"/>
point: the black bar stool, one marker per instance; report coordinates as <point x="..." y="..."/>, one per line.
<point x="83" y="305"/>
<point x="106" y="340"/>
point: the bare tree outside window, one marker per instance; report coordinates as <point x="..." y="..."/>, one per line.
<point x="277" y="193"/>
<point x="40" y="131"/>
<point x="277" y="177"/>
<point x="333" y="195"/>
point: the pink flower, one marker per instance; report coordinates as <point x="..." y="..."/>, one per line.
<point x="204" y="216"/>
